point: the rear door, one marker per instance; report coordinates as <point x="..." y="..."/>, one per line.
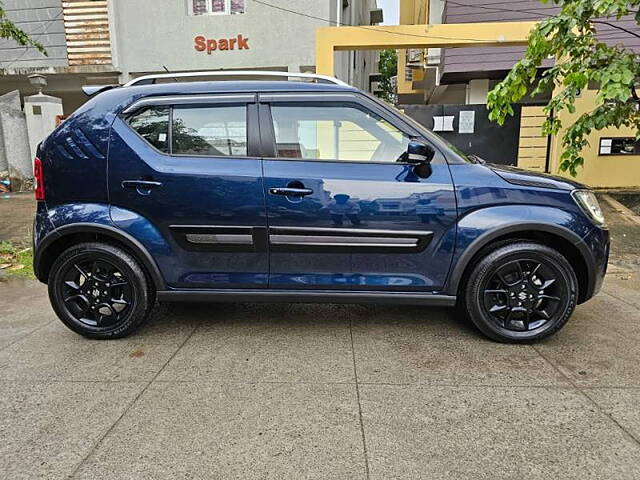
<point x="189" y="167"/>
<point x="344" y="211"/>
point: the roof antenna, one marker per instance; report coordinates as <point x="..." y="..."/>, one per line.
<point x="168" y="71"/>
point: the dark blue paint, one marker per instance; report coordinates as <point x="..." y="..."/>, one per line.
<point x="463" y="204"/>
<point x="363" y="196"/>
<point x="194" y="191"/>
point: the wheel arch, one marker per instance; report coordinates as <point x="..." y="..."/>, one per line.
<point x="64" y="237"/>
<point x="561" y="239"/>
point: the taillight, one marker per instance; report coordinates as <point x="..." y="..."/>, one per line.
<point x="38" y="175"/>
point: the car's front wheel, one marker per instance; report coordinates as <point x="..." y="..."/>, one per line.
<point x="521" y="291"/>
<point x="99" y="291"/>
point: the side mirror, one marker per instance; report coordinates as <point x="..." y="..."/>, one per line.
<point x="419" y="153"/>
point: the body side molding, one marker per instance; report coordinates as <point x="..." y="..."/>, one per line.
<point x="306" y="296"/>
<point x="356" y="240"/>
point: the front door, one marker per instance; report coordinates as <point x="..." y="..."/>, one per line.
<point x="344" y="211"/>
<point x="188" y="168"/>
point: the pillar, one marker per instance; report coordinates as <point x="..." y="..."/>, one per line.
<point x="41" y="112"/>
<point x="477" y="91"/>
<point x="14" y="142"/>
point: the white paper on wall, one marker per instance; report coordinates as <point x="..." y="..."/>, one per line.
<point x="467" y="121"/>
<point x="443" y="124"/>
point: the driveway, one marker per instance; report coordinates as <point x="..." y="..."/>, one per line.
<point x="239" y="391"/>
<point x="298" y="391"/>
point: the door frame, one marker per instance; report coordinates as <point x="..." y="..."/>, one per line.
<point x="296" y="239"/>
<point x="211" y="237"/>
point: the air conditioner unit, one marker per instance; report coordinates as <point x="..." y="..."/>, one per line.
<point x="414" y="56"/>
<point x="434" y="56"/>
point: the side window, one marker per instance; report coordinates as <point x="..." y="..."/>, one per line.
<point x="325" y="132"/>
<point x="152" y="124"/>
<point x="210" y="131"/>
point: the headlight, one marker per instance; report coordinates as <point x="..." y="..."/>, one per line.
<point x="588" y="202"/>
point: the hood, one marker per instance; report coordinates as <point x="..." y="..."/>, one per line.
<point x="518" y="176"/>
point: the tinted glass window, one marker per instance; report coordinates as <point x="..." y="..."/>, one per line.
<point x="210" y="131"/>
<point x="324" y="132"/>
<point x="153" y="125"/>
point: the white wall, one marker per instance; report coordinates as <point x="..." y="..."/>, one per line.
<point x="354" y="67"/>
<point x="153" y="33"/>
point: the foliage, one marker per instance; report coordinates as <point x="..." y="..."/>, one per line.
<point x="10" y="31"/>
<point x="581" y="59"/>
<point x="388" y="68"/>
<point x="16" y="260"/>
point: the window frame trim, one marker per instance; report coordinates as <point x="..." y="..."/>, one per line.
<point x="211" y="102"/>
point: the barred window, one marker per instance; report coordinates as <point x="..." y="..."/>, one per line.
<point x="217" y="7"/>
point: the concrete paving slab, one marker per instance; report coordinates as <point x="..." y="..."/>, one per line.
<point x="17" y="211"/>
<point x="622" y="404"/>
<point x="46" y="429"/>
<point x="268" y="343"/>
<point x="625" y="289"/>
<point x="605" y="307"/>
<point x="26" y="307"/>
<point x="436" y="349"/>
<point x="216" y="431"/>
<point x="597" y="350"/>
<point x="54" y="353"/>
<point x="416" y="432"/>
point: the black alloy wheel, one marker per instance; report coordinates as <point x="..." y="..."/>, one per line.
<point x="524" y="294"/>
<point x="99" y="291"/>
<point x="521" y="291"/>
<point x="96" y="292"/>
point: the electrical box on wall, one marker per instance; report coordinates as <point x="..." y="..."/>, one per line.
<point x="619" y="146"/>
<point x="415" y="56"/>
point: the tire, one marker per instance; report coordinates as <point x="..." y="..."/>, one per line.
<point x="503" y="293"/>
<point x="100" y="291"/>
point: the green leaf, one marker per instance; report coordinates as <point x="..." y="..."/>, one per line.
<point x="584" y="60"/>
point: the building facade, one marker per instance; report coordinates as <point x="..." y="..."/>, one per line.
<point x="452" y="83"/>
<point x="112" y="41"/>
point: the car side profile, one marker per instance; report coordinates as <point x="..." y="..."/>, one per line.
<point x="297" y="191"/>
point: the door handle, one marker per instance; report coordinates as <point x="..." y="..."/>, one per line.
<point x="290" y="192"/>
<point x="143" y="187"/>
<point x="141" y="184"/>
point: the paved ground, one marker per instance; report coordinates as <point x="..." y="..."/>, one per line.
<point x="16" y="217"/>
<point x="339" y="392"/>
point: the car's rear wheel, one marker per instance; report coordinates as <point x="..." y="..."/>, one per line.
<point x="520" y="292"/>
<point x="99" y="291"/>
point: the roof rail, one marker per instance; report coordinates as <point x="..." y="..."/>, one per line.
<point x="149" y="79"/>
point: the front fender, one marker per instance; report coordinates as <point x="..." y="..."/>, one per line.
<point x="480" y="227"/>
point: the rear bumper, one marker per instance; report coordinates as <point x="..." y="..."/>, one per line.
<point x="596" y="242"/>
<point x="42" y="226"/>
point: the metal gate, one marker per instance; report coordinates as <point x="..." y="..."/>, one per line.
<point x="517" y="142"/>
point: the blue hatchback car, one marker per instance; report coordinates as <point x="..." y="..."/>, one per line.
<point x="305" y="191"/>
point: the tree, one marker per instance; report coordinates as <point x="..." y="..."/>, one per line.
<point x="388" y="67"/>
<point x="10" y="31"/>
<point x="581" y="59"/>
